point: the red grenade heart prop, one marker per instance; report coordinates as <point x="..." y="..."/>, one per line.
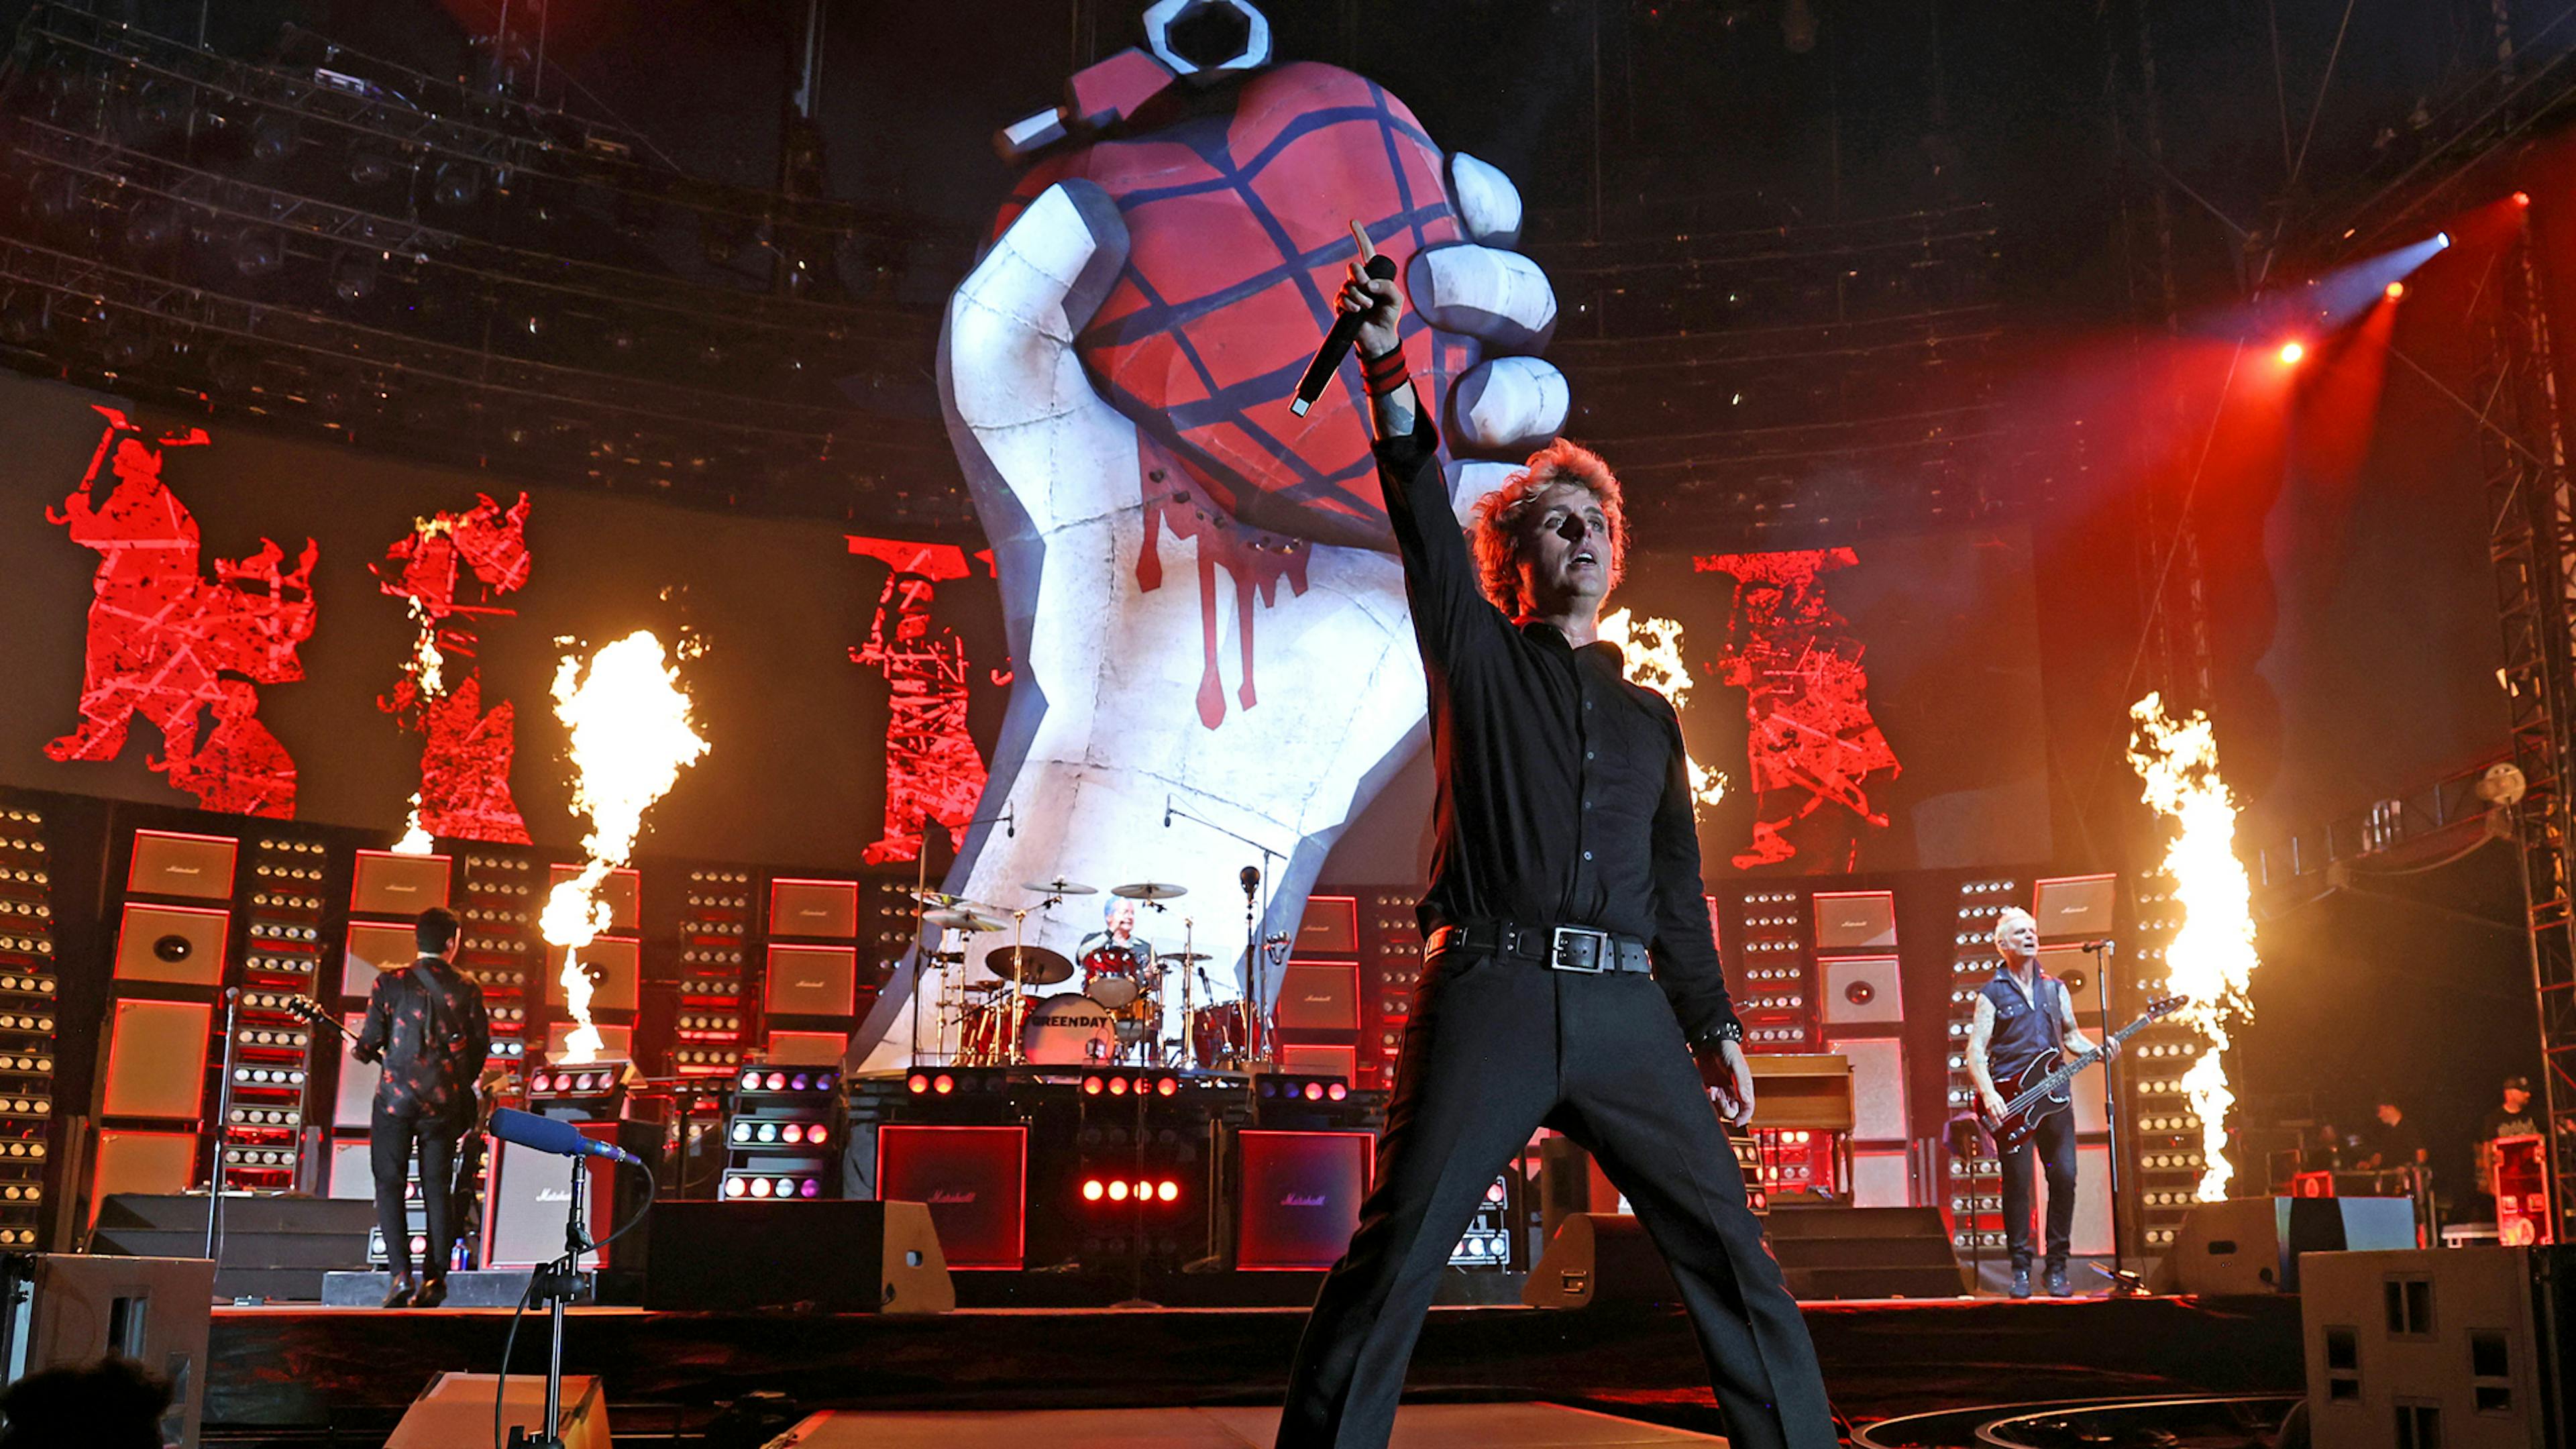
<point x="1239" y="235"/>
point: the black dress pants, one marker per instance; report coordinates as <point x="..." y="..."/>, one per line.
<point x="1498" y="1047"/>
<point x="391" y="1137"/>
<point x="2054" y="1145"/>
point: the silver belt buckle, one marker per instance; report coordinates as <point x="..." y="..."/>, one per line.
<point x="1556" y="948"/>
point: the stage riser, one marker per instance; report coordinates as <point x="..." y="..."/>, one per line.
<point x="495" y="1288"/>
<point x="241" y="1250"/>
<point x="172" y="1213"/>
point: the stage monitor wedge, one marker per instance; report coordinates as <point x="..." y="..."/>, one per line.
<point x="79" y="1308"/>
<point x="851" y="1257"/>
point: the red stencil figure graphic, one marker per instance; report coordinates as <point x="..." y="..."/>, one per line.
<point x="178" y="649"/>
<point x="450" y="568"/>
<point x="933" y="770"/>
<point x="1806" y="694"/>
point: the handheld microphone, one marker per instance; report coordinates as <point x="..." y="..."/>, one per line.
<point x="545" y="1134"/>
<point x="1337" y="344"/>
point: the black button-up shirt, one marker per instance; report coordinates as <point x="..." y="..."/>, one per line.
<point x="1564" y="794"/>
<point x="432" y="1044"/>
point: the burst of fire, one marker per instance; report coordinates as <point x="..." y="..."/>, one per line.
<point x="1653" y="650"/>
<point x="426" y="668"/>
<point x="631" y="737"/>
<point x="2212" y="957"/>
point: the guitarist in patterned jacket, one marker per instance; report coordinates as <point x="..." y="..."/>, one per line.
<point x="2023" y="1015"/>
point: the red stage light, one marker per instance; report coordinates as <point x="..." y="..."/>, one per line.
<point x="1092" y="1085"/>
<point x="1337" y="1091"/>
<point x="1118" y="1086"/>
<point x="1314" y="1091"/>
<point x="943" y="1084"/>
<point x="1118" y="1191"/>
<point x="1168" y="1191"/>
<point x="776" y="1082"/>
<point x="1144" y="1192"/>
<point x="1167" y="1086"/>
<point x="1092" y="1189"/>
<point x="917" y="1083"/>
<point x="2396" y="290"/>
<point x="814" y="1134"/>
<point x="543" y="1083"/>
<point x="2292" y="352"/>
<point x="2522" y="198"/>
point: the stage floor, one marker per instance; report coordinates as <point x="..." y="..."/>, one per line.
<point x="1417" y="1426"/>
<point x="356" y="1369"/>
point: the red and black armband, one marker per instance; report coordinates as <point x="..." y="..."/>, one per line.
<point x="1386" y="373"/>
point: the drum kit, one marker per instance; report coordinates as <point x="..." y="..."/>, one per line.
<point x="1115" y="1017"/>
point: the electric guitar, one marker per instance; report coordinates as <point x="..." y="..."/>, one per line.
<point x="314" y="1013"/>
<point x="2039" y="1092"/>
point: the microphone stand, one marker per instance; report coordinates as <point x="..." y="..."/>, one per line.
<point x="2106" y="954"/>
<point x="556" y="1284"/>
<point x="1256" y="1005"/>
<point x="223" y="1129"/>
<point x="921" y="887"/>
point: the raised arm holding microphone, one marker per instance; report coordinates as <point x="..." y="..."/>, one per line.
<point x="1570" y="972"/>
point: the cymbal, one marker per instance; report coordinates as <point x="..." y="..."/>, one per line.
<point x="1028" y="965"/>
<point x="1184" y="956"/>
<point x="1149" y="890"/>
<point x="962" y="918"/>
<point x="936" y="899"/>
<point x="1059" y="887"/>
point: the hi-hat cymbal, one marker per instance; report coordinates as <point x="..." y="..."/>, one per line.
<point x="1059" y="887"/>
<point x="962" y="918"/>
<point x="1149" y="890"/>
<point x="1028" y="965"/>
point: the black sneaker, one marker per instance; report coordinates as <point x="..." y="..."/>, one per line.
<point x="2058" y="1287"/>
<point x="2021" y="1283"/>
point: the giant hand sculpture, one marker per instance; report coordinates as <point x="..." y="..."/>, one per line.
<point x="1116" y="374"/>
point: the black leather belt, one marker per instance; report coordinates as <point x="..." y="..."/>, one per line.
<point x="1562" y="948"/>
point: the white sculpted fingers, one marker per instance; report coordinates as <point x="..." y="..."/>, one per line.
<point x="1509" y="403"/>
<point x="1015" y="382"/>
<point x="1486" y="199"/>
<point x="1501" y="297"/>
<point x="1470" y="481"/>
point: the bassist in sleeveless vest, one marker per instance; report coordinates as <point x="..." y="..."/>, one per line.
<point x="2023" y="1015"/>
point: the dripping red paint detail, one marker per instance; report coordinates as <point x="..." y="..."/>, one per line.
<point x="451" y="568"/>
<point x="1813" y="741"/>
<point x="175" y="647"/>
<point x="933" y="770"/>
<point x="1258" y="562"/>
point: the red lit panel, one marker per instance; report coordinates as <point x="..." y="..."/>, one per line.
<point x="1301" y="1197"/>
<point x="388" y="883"/>
<point x="167" y="863"/>
<point x="975" y="1182"/>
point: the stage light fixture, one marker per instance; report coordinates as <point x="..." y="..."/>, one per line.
<point x="368" y="168"/>
<point x="272" y="139"/>
<point x="152" y="226"/>
<point x="2292" y="352"/>
<point x="2396" y="290"/>
<point x="258" y="252"/>
<point x="2522" y="198"/>
<point x="1092" y="1188"/>
<point x="456" y="184"/>
<point x="353" y="276"/>
<point x="1118" y="1190"/>
<point x="2441" y="241"/>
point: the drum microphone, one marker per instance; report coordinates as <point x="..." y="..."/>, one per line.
<point x="545" y="1134"/>
<point x="1167" y="812"/>
<point x="1337" y="343"/>
<point x="1251" y="879"/>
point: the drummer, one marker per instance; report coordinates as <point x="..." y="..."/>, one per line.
<point x="1118" y="917"/>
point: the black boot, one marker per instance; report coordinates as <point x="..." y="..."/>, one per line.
<point x="403" y="1289"/>
<point x="432" y="1292"/>
<point x="2058" y="1287"/>
<point x="2021" y="1283"/>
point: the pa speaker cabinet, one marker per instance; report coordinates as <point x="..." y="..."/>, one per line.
<point x="618" y="964"/>
<point x="1862" y="991"/>
<point x="1599" y="1257"/>
<point x="456" y="1409"/>
<point x="1330" y="926"/>
<point x="80" y="1308"/>
<point x="182" y="945"/>
<point x="527" y="1197"/>
<point x="1300" y="1195"/>
<point x="2076" y="906"/>
<point x="974" y="1180"/>
<point x="167" y="863"/>
<point x="812" y="980"/>
<point x="388" y="883"/>
<point x="849" y="1257"/>
<point x="622" y="892"/>
<point x="814" y="908"/>
<point x="2253" y="1244"/>
<point x="1855" y="920"/>
<point x="1318" y="996"/>
<point x="2464" y="1348"/>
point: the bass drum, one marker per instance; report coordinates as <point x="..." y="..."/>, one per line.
<point x="1068" y="1031"/>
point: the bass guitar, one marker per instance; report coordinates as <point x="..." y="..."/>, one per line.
<point x="2039" y="1092"/>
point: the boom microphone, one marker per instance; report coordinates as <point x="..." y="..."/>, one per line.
<point x="1251" y="879"/>
<point x="545" y="1134"/>
<point x="1167" y="812"/>
<point x="1337" y="343"/>
<point x="2095" y="948"/>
